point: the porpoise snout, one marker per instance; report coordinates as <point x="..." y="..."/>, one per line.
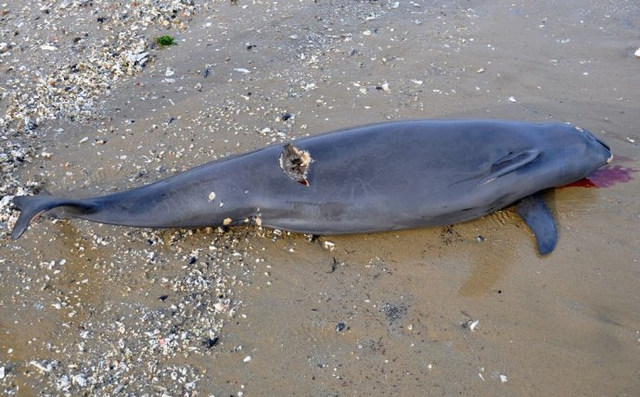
<point x="607" y="149"/>
<point x="602" y="148"/>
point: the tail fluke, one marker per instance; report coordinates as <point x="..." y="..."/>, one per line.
<point x="33" y="206"/>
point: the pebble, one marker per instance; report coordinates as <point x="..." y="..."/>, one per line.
<point x="328" y="245"/>
<point x="80" y="380"/>
<point x="219" y="307"/>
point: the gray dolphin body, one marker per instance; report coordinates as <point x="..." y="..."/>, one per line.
<point x="387" y="176"/>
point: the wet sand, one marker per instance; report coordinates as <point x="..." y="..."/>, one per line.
<point x="467" y="309"/>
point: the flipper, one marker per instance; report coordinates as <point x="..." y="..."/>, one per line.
<point x="510" y="163"/>
<point x="33" y="206"/>
<point x="537" y="216"/>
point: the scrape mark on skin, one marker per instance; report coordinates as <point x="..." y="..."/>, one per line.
<point x="295" y="163"/>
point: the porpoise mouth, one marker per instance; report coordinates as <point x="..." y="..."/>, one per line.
<point x="610" y="159"/>
<point x="604" y="145"/>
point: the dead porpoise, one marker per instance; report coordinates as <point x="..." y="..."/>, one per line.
<point x="388" y="176"/>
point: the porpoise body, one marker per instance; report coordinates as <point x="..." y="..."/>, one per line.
<point x="388" y="176"/>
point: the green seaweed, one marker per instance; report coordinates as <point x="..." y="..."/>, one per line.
<point x="165" y="40"/>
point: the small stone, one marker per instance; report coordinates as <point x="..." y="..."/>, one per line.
<point x="227" y="221"/>
<point x="474" y="324"/>
<point x="80" y="380"/>
<point x="212" y="196"/>
<point x="341" y="326"/>
<point x="504" y="378"/>
<point x="247" y="359"/>
<point x="637" y="53"/>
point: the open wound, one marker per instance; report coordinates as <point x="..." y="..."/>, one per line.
<point x="295" y="163"/>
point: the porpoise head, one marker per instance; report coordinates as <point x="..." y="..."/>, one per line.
<point x="572" y="153"/>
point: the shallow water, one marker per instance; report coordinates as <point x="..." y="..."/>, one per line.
<point x="566" y="324"/>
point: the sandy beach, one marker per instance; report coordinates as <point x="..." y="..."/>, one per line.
<point x="91" y="104"/>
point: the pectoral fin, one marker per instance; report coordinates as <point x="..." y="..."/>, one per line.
<point x="537" y="216"/>
<point x="509" y="163"/>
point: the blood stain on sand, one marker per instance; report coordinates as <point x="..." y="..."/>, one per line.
<point x="605" y="177"/>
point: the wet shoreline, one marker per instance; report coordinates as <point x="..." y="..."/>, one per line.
<point x="97" y="309"/>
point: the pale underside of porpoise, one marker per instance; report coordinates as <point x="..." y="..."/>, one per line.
<point x="388" y="176"/>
